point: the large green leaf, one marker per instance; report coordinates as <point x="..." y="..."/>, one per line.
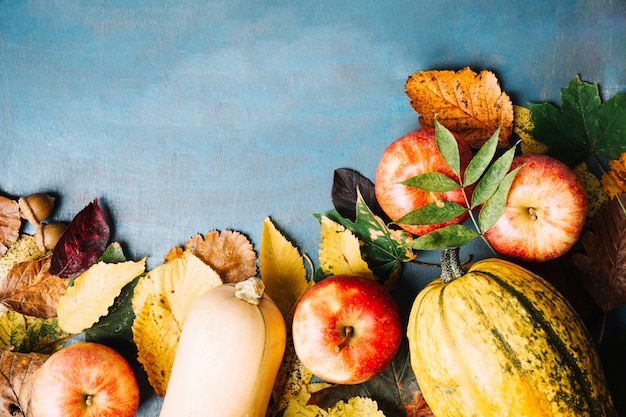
<point x="433" y="213"/>
<point x="583" y="125"/>
<point x="454" y="235"/>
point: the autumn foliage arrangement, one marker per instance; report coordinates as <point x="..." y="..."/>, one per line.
<point x="81" y="283"/>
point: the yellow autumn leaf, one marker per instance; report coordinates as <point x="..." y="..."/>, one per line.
<point x="93" y="292"/>
<point x="291" y="381"/>
<point x="340" y="251"/>
<point x="282" y="270"/>
<point x="356" y="407"/>
<point x="614" y="180"/>
<point x="12" y="328"/>
<point x="523" y="127"/>
<point x="469" y="104"/>
<point x="156" y="334"/>
<point x="24" y="249"/>
<point x="178" y="282"/>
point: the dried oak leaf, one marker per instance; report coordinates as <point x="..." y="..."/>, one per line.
<point x="469" y="104"/>
<point x="17" y="373"/>
<point x="31" y="289"/>
<point x="10" y="223"/>
<point x="82" y="243"/>
<point x="614" y="180"/>
<point x="604" y="263"/>
<point x="229" y="253"/>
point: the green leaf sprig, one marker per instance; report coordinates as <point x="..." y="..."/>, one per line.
<point x="485" y="185"/>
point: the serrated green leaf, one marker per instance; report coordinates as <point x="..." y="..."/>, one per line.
<point x="481" y="160"/>
<point x="382" y="248"/>
<point x="454" y="235"/>
<point x="448" y="147"/>
<point x="583" y="125"/>
<point x="433" y="213"/>
<point x="495" y="205"/>
<point x="491" y="180"/>
<point x="432" y="181"/>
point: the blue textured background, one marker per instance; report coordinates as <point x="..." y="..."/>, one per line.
<point x="182" y="117"/>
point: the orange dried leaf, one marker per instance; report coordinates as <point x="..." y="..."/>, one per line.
<point x="229" y="253"/>
<point x="17" y="374"/>
<point x="30" y="289"/>
<point x="468" y="104"/>
<point x="614" y="180"/>
<point x="10" y="223"/>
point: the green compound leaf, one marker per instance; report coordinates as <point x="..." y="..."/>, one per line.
<point x="481" y="160"/>
<point x="432" y="181"/>
<point x="490" y="182"/>
<point x="448" y="147"/>
<point x="583" y="126"/>
<point x="454" y="235"/>
<point x="433" y="213"/>
<point x="495" y="205"/>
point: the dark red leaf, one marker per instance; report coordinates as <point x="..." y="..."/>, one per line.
<point x="344" y="194"/>
<point x="395" y="390"/>
<point x="83" y="242"/>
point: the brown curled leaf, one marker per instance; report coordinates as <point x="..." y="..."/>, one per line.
<point x="17" y="374"/>
<point x="10" y="223"/>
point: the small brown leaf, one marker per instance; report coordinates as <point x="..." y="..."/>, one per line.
<point x="229" y="253"/>
<point x="468" y="104"/>
<point x="17" y="372"/>
<point x="614" y="180"/>
<point x="10" y="223"/>
<point x="30" y="289"/>
<point x="604" y="263"/>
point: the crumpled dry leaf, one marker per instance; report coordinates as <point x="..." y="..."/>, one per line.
<point x="614" y="180"/>
<point x="30" y="289"/>
<point x="282" y="270"/>
<point x="604" y="263"/>
<point x="17" y="373"/>
<point x="93" y="292"/>
<point x="229" y="253"/>
<point x="24" y="249"/>
<point x="161" y="302"/>
<point x="468" y="104"/>
<point x="340" y="251"/>
<point x="10" y="223"/>
<point x="156" y="334"/>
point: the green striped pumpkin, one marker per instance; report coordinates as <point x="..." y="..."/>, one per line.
<point x="499" y="340"/>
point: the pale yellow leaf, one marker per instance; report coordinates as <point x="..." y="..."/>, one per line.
<point x="523" y="127"/>
<point x="12" y="328"/>
<point x="93" y="292"/>
<point x="356" y="407"/>
<point x="178" y="283"/>
<point x="156" y="334"/>
<point x="340" y="251"/>
<point x="282" y="270"/>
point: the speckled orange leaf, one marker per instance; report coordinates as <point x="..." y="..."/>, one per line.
<point x="229" y="253"/>
<point x="614" y="180"/>
<point x="30" y="289"/>
<point x="469" y="104"/>
<point x="10" y="223"/>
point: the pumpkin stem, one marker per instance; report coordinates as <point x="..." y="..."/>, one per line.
<point x="347" y="332"/>
<point x="250" y="290"/>
<point x="450" y="265"/>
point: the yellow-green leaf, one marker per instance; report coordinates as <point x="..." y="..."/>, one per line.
<point x="340" y="251"/>
<point x="93" y="292"/>
<point x="282" y="270"/>
<point x="356" y="407"/>
<point x="12" y="328"/>
<point x="523" y="127"/>
<point x="24" y="249"/>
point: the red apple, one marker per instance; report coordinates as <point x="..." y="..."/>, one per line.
<point x="413" y="154"/>
<point x="545" y="211"/>
<point x="346" y="329"/>
<point x="85" y="379"/>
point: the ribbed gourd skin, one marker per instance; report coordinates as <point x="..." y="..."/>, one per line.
<point x="501" y="341"/>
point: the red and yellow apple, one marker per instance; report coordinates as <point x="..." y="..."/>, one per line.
<point x="346" y="329"/>
<point x="545" y="211"/>
<point x="414" y="154"/>
<point x="85" y="379"/>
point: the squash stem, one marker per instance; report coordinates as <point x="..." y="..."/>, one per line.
<point x="450" y="265"/>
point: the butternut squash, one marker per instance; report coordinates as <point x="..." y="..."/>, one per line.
<point x="228" y="356"/>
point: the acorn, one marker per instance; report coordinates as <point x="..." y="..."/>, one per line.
<point x="48" y="234"/>
<point x="36" y="207"/>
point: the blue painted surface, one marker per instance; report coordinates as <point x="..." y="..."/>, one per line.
<point x="183" y="117"/>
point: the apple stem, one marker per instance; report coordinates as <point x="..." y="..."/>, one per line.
<point x="533" y="213"/>
<point x="348" y="331"/>
<point x="450" y="265"/>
